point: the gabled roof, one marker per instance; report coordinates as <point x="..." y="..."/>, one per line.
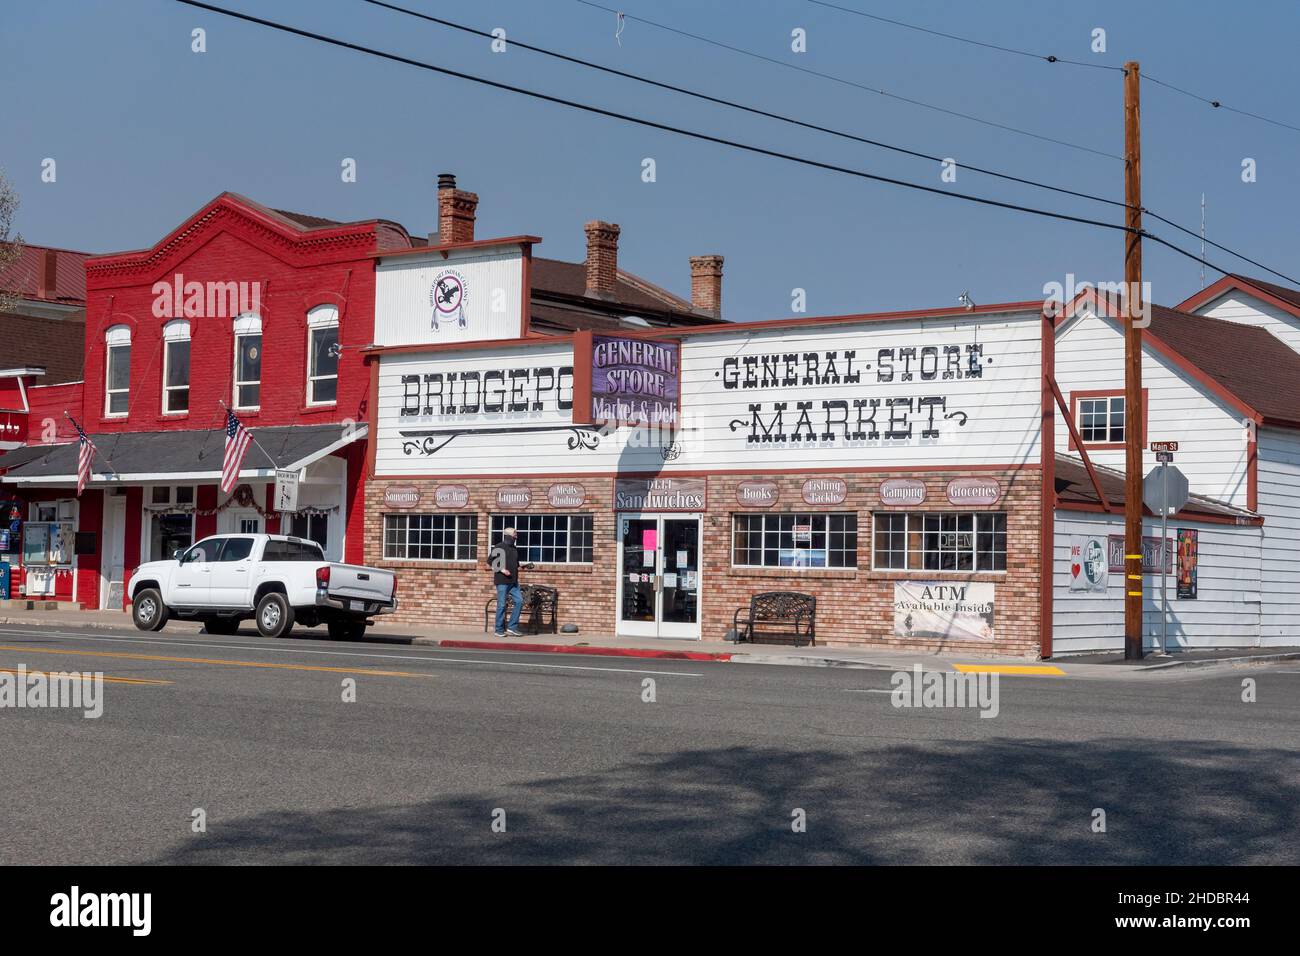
<point x="56" y="345"/>
<point x="1283" y="297"/>
<point x="23" y="275"/>
<point x="1244" y="365"/>
<point x="1074" y="487"/>
<point x="387" y="234"/>
<point x="560" y="302"/>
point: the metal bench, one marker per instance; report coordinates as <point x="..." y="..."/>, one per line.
<point x="540" y="613"/>
<point x="779" y="616"/>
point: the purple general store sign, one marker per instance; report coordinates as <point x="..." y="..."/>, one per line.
<point x="635" y="381"/>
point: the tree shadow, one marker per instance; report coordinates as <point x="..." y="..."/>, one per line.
<point x="971" y="802"/>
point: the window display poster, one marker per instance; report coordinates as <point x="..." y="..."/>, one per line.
<point x="1187" y="554"/>
<point x="950" y="612"/>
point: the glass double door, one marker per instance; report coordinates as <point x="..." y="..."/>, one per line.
<point x="659" y="575"/>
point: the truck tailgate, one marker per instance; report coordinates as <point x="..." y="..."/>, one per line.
<point x="358" y="583"/>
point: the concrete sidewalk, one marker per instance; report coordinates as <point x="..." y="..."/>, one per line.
<point x="1097" y="666"/>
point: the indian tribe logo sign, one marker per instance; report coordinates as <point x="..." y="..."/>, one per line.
<point x="447" y="295"/>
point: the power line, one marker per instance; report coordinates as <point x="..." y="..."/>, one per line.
<point x="847" y="82"/>
<point x="692" y="134"/>
<point x="641" y="121"/>
<point x="1216" y="104"/>
<point x="1050" y="58"/>
<point x="797" y="122"/>
<point x="741" y="106"/>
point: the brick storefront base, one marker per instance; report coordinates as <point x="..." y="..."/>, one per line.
<point x="854" y="607"/>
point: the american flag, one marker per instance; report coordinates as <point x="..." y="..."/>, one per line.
<point x="237" y="439"/>
<point x="85" y="456"/>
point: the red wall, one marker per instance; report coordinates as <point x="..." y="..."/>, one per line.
<point x="48" y="403"/>
<point x="229" y="242"/>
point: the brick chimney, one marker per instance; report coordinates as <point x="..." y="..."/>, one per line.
<point x="46" y="274"/>
<point x="456" y="209"/>
<point x="706" y="284"/>
<point x="602" y="259"/>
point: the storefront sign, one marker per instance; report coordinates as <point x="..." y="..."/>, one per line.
<point x="566" y="495"/>
<point x="974" y="491"/>
<point x="1088" y="563"/>
<point x="950" y="612"/>
<point x="901" y="492"/>
<point x="451" y="496"/>
<point x="514" y="496"/>
<point x="659" y="494"/>
<point x="760" y="494"/>
<point x="825" y="491"/>
<point x="401" y="496"/>
<point x="634" y="381"/>
<point x="1150" y="554"/>
<point x="1188" y="546"/>
<point x="286" y="490"/>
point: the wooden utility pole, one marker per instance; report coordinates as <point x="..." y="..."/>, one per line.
<point x="1132" y="366"/>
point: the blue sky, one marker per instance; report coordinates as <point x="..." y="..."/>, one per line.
<point x="145" y="131"/>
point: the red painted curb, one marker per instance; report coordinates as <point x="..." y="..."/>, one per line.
<point x="585" y="649"/>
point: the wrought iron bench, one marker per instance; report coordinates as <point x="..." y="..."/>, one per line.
<point x="779" y="615"/>
<point x="540" y="613"/>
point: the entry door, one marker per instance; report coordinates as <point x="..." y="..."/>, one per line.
<point x="112" y="568"/>
<point x="240" y="521"/>
<point x="659" y="575"/>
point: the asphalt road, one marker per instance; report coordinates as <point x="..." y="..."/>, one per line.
<point x="439" y="742"/>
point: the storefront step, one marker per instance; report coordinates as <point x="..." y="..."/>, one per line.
<point x="38" y="604"/>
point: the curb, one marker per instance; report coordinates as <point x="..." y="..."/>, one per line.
<point x="577" y="649"/>
<point x="1254" y="659"/>
<point x="782" y="660"/>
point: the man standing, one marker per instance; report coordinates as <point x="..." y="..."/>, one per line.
<point x="504" y="562"/>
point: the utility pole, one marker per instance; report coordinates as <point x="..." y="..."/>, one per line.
<point x="1132" y="366"/>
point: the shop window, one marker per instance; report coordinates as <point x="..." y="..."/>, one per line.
<point x="795" y="541"/>
<point x="170" y="520"/>
<point x="547" y="539"/>
<point x="248" y="362"/>
<point x="322" y="355"/>
<point x="940" y="541"/>
<point x="431" y="537"/>
<point x="117" y="373"/>
<point x="313" y="527"/>
<point x="176" y="367"/>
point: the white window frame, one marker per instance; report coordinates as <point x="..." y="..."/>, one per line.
<point x="117" y="337"/>
<point x="321" y="317"/>
<point x="799" y="518"/>
<point x="919" y="516"/>
<point x="1110" y="401"/>
<point x="177" y="330"/>
<point x="461" y="524"/>
<point x="497" y="523"/>
<point x="247" y="326"/>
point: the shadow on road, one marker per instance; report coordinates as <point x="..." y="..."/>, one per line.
<point x="991" y="801"/>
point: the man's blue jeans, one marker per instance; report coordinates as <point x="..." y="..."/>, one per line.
<point x="515" y="595"/>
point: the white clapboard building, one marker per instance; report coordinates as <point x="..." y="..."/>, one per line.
<point x="948" y="479"/>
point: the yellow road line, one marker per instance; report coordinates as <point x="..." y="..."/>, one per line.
<point x="209" y="660"/>
<point x="77" y="676"/>
<point x="1008" y="669"/>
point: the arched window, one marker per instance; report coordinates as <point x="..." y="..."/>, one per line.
<point x="176" y="367"/>
<point x="322" y="355"/>
<point x="248" y="361"/>
<point x="117" y="371"/>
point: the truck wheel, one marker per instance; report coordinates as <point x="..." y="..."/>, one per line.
<point x="274" y="615"/>
<point x="347" y="630"/>
<point x="148" y="610"/>
<point x="221" y="625"/>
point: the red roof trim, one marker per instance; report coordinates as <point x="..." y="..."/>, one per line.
<point x="1227" y="284"/>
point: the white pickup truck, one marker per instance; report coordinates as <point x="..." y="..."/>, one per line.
<point x="273" y="579"/>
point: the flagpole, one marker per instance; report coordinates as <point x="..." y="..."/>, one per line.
<point x="274" y="464"/>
